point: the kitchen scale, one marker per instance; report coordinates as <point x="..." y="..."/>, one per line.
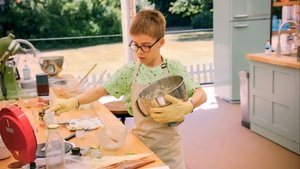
<point x="17" y="134"/>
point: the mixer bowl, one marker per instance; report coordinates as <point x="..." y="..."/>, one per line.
<point x="51" y="65"/>
<point x="153" y="95"/>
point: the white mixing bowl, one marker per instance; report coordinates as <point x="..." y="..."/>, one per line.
<point x="4" y="152"/>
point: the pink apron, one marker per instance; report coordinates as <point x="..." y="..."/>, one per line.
<point x="163" y="140"/>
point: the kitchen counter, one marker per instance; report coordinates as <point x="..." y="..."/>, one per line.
<point x="286" y="61"/>
<point x="274" y="99"/>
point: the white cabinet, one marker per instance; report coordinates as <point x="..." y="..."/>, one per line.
<point x="274" y="103"/>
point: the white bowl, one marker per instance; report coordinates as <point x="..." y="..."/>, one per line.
<point x="111" y="137"/>
<point x="28" y="84"/>
<point x="4" y="152"/>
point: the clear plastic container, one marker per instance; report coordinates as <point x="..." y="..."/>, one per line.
<point x="111" y="137"/>
<point x="80" y="133"/>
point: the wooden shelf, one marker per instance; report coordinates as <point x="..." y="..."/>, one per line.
<point x="289" y="3"/>
<point x="290" y="31"/>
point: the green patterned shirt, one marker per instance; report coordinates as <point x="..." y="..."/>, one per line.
<point x="120" y="82"/>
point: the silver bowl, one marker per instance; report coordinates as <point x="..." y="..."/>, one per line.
<point x="153" y="95"/>
<point x="51" y="65"/>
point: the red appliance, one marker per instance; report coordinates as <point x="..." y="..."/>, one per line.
<point x="17" y="134"/>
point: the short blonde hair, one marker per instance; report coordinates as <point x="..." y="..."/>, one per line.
<point x="149" y="22"/>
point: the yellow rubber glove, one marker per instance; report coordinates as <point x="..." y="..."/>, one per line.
<point x="172" y="113"/>
<point x="63" y="105"/>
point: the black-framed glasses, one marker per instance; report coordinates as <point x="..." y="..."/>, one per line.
<point x="144" y="48"/>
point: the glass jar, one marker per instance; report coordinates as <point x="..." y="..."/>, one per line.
<point x="55" y="150"/>
<point x="95" y="151"/>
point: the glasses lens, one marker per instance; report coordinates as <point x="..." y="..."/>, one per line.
<point x="134" y="47"/>
<point x="145" y="48"/>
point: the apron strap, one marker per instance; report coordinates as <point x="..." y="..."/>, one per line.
<point x="164" y="67"/>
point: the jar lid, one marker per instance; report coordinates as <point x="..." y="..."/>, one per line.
<point x="75" y="151"/>
<point x="53" y="126"/>
<point x="94" y="147"/>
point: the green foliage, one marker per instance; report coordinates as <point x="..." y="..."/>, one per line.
<point x="190" y="7"/>
<point x="186" y="12"/>
<point x="32" y="19"/>
<point x="203" y="20"/>
<point x="186" y="8"/>
<point x="35" y="19"/>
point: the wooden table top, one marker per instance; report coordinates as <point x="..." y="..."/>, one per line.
<point x="132" y="145"/>
<point x="285" y="61"/>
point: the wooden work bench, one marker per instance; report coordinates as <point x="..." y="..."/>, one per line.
<point x="132" y="144"/>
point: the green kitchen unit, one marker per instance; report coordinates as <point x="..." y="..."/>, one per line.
<point x="275" y="98"/>
<point x="240" y="27"/>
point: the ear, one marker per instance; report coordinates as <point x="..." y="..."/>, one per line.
<point x="161" y="42"/>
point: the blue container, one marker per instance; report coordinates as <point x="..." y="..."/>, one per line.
<point x="275" y="23"/>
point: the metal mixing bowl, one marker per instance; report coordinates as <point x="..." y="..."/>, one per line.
<point x="51" y="65"/>
<point x="153" y="95"/>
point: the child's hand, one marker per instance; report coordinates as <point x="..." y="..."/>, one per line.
<point x="63" y="105"/>
<point x="172" y="113"/>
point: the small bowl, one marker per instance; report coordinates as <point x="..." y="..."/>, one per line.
<point x="52" y="65"/>
<point x="28" y="84"/>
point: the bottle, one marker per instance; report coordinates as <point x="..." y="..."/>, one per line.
<point x="26" y="72"/>
<point x="275" y="25"/>
<point x="268" y="48"/>
<point x="55" y="150"/>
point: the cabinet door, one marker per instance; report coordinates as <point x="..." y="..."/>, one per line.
<point x="274" y="98"/>
<point x="250" y="9"/>
<point x="247" y="37"/>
